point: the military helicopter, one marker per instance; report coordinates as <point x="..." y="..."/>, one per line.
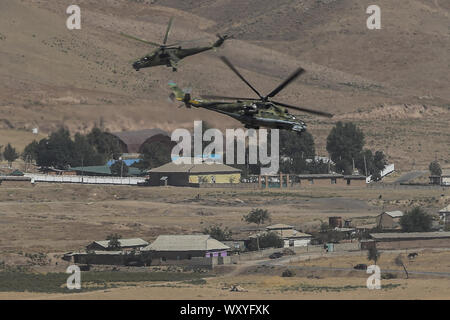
<point x="169" y="54"/>
<point x="252" y="112"/>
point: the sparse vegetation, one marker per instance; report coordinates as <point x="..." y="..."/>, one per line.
<point x="416" y="220"/>
<point x="217" y="232"/>
<point x="258" y="216"/>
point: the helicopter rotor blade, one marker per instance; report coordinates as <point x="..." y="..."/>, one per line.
<point x="291" y="78"/>
<point x="230" y="65"/>
<point x="140" y="40"/>
<point x="228" y="98"/>
<point x="319" y="113"/>
<point x="169" y="26"/>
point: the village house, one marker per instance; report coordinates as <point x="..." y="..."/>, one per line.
<point x="443" y="179"/>
<point x="185" y="247"/>
<point x="389" y="220"/>
<point x="202" y="174"/>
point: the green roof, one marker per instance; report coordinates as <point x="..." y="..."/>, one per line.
<point x="105" y="170"/>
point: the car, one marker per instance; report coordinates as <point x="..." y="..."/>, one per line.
<point x="276" y="255"/>
<point x="360" y="266"/>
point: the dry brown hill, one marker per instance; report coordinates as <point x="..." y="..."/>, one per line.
<point x="51" y="76"/>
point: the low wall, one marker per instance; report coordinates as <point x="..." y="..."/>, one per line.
<point x="414" y="244"/>
<point x="85" y="179"/>
<point x="194" y="262"/>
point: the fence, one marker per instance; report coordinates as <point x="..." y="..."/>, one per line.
<point x="85" y="179"/>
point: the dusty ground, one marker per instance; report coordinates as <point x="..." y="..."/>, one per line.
<point x="54" y="217"/>
<point x="53" y="77"/>
<point x="266" y="287"/>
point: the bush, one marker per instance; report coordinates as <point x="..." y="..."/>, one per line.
<point x="268" y="240"/>
<point x="388" y="275"/>
<point x="416" y="220"/>
<point x="288" y="273"/>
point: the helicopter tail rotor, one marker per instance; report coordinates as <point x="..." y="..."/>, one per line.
<point x="180" y="95"/>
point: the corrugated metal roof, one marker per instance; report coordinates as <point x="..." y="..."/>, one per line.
<point x="394" y="214"/>
<point x="133" y="242"/>
<point x="279" y="226"/>
<point x="408" y="235"/>
<point x="185" y="243"/>
<point x="135" y="139"/>
<point x="105" y="170"/>
<point x="172" y="167"/>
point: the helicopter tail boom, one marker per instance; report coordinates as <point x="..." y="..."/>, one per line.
<point x="180" y="95"/>
<point x="220" y="41"/>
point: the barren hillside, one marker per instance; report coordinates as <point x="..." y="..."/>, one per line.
<point x="51" y="76"/>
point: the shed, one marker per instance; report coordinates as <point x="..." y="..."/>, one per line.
<point x="389" y="219"/>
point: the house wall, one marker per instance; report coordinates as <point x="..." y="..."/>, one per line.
<point x="385" y="221"/>
<point x="174" y="179"/>
<point x="220" y="178"/>
<point x="338" y="182"/>
<point x="296" y="243"/>
<point x="318" y="182"/>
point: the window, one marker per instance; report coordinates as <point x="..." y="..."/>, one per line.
<point x="348" y="182"/>
<point x="311" y="181"/>
<point x="333" y="180"/>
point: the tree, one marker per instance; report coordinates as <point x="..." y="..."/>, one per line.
<point x="85" y="154"/>
<point x="399" y="262"/>
<point x="435" y="168"/>
<point x="155" y="154"/>
<point x="416" y="220"/>
<point x="10" y="154"/>
<point x="373" y="255"/>
<point x="257" y="216"/>
<point x="345" y="142"/>
<point x="105" y="143"/>
<point x="217" y="232"/>
<point x="56" y="150"/>
<point x="30" y="153"/>
<point x="267" y="240"/>
<point x="114" y="243"/>
<point x="119" y="169"/>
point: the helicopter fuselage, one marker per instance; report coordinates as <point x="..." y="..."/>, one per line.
<point x="255" y="114"/>
<point x="167" y="57"/>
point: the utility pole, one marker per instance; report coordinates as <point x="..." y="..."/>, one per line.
<point x="121" y="167"/>
<point x="365" y="164"/>
<point x="82" y="169"/>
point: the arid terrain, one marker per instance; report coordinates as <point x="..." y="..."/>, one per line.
<point x="40" y="223"/>
<point x="393" y="82"/>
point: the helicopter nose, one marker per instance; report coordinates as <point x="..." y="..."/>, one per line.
<point x="136" y="66"/>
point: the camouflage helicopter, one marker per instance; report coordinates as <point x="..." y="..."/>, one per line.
<point x="252" y="112"/>
<point x="169" y="54"/>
